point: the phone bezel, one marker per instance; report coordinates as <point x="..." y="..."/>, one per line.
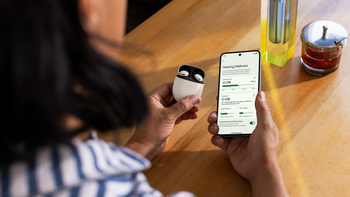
<point x="219" y="83"/>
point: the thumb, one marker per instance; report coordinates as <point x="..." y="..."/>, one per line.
<point x="262" y="110"/>
<point x="182" y="106"/>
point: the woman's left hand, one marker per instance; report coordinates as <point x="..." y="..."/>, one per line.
<point x="150" y="138"/>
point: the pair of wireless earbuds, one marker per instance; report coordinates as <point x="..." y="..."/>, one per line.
<point x="184" y="73"/>
<point x="189" y="81"/>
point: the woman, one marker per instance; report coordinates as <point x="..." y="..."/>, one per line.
<point x="57" y="80"/>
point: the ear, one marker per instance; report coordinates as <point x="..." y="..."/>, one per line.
<point x="89" y="14"/>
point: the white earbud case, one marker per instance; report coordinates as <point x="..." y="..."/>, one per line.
<point x="188" y="85"/>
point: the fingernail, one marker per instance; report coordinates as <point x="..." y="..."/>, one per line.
<point x="262" y="96"/>
<point x="193" y="99"/>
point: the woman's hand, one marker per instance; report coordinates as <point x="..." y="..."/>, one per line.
<point x="150" y="138"/>
<point x="255" y="158"/>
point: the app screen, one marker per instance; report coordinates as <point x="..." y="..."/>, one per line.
<point x="238" y="86"/>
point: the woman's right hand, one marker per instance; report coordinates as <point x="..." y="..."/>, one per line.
<point x="255" y="158"/>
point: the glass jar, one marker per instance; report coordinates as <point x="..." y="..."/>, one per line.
<point x="322" y="46"/>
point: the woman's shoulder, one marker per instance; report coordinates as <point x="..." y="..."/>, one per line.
<point x="107" y="155"/>
<point x="67" y="166"/>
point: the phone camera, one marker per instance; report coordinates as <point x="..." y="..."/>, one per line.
<point x="239" y="54"/>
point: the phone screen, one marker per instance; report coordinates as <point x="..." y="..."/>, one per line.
<point x="239" y="84"/>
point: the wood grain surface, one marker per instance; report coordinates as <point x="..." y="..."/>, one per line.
<point x="312" y="113"/>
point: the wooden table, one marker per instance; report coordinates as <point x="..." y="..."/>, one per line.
<point x="312" y="113"/>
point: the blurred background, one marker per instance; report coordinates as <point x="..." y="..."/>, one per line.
<point x="141" y="10"/>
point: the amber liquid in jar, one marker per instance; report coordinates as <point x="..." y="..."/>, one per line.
<point x="320" y="60"/>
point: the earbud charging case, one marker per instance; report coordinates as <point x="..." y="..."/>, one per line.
<point x="185" y="86"/>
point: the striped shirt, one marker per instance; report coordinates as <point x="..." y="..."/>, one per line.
<point x="92" y="168"/>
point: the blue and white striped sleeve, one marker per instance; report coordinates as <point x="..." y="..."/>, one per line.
<point x="124" y="186"/>
<point x="88" y="169"/>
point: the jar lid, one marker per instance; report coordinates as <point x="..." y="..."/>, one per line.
<point x="324" y="34"/>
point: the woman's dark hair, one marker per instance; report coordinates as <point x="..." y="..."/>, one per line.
<point x="48" y="69"/>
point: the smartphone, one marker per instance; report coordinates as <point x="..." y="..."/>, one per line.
<point x="239" y="84"/>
